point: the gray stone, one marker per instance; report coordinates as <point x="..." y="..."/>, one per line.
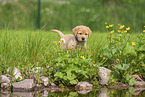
<point x="4" y="79"/>
<point x="139" y="84"/>
<point x="103" y="93"/>
<point x="35" y="72"/>
<point x="23" y="94"/>
<point x="53" y="85"/>
<point x="104" y="75"/>
<point x="119" y="85"/>
<point x="83" y="86"/>
<point x="84" y="91"/>
<point x="26" y="84"/>
<point x="138" y="90"/>
<point x="45" y="80"/>
<point x="45" y="94"/>
<point x="16" y="72"/>
<point x="4" y="85"/>
<point x="37" y="69"/>
<point x="5" y="94"/>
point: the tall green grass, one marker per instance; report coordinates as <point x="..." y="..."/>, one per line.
<point x="24" y="47"/>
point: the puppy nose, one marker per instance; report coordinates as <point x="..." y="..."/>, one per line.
<point x="83" y="38"/>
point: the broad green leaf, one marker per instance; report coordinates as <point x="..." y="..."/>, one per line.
<point x="59" y="74"/>
<point x="132" y="82"/>
<point x="70" y="75"/>
<point x="73" y="82"/>
<point x="131" y="90"/>
<point x="122" y="66"/>
<point x="129" y="50"/>
<point x="128" y="76"/>
<point x="115" y="51"/>
<point x="107" y="54"/>
<point x="73" y="94"/>
<point x="59" y="64"/>
<point x="70" y="60"/>
<point x="58" y="59"/>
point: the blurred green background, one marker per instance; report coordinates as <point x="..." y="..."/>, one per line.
<point x="66" y="14"/>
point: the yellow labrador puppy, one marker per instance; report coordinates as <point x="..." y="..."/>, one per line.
<point x="78" y="40"/>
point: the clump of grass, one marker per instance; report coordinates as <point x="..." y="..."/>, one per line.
<point x="27" y="49"/>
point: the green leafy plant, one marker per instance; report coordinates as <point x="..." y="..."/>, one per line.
<point x="71" y="67"/>
<point x="125" y="53"/>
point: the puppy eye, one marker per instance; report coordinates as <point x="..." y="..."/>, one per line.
<point x="80" y="33"/>
<point x="86" y="34"/>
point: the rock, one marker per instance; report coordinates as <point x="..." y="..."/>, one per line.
<point x="136" y="77"/>
<point x="138" y="90"/>
<point x="16" y="73"/>
<point x="35" y="72"/>
<point x="45" y="94"/>
<point x="83" y="86"/>
<point x="4" y="79"/>
<point x="23" y="94"/>
<point x="45" y="80"/>
<point x="37" y="69"/>
<point x="25" y="85"/>
<point x="103" y="93"/>
<point x="53" y="85"/>
<point x="104" y="75"/>
<point x="4" y="85"/>
<point x="139" y="84"/>
<point x="119" y="85"/>
<point x="84" y="91"/>
<point x="5" y="94"/>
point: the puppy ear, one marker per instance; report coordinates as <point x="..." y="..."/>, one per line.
<point x="90" y="32"/>
<point x="74" y="30"/>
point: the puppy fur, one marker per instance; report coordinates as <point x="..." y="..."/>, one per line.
<point x="76" y="41"/>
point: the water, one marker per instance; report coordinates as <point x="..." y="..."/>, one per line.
<point x="102" y="92"/>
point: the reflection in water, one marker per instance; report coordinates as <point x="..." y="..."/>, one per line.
<point x="103" y="92"/>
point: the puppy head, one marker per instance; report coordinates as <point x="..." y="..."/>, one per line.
<point x="82" y="33"/>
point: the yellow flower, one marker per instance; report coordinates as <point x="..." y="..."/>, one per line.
<point x="119" y="31"/>
<point x="111" y="25"/>
<point x="107" y="26"/>
<point x="120" y="34"/>
<point x="82" y="53"/>
<point x="112" y="31"/>
<point x="121" y="27"/>
<point x="79" y="49"/>
<point x="106" y="23"/>
<point x="82" y="57"/>
<point x="125" y="31"/>
<point x="143" y="30"/>
<point x="60" y="41"/>
<point x="128" y="28"/>
<point x="144" y="26"/>
<point x="54" y="41"/>
<point x="104" y="58"/>
<point x="133" y="43"/>
<point x="118" y="24"/>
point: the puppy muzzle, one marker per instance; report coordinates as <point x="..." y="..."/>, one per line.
<point x="83" y="39"/>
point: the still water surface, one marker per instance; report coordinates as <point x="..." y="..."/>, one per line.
<point x="102" y="92"/>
